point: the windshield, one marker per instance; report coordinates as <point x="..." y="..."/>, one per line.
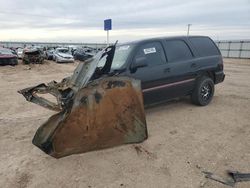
<point x="63" y="50"/>
<point x="120" y="57"/>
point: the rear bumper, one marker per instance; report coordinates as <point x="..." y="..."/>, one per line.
<point x="219" y="77"/>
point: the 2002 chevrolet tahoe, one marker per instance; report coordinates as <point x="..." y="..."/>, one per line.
<point x="171" y="67"/>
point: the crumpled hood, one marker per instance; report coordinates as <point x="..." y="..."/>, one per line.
<point x="64" y="55"/>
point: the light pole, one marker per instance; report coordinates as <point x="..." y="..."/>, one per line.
<point x="189" y="25"/>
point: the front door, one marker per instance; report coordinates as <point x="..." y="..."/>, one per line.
<point x="155" y="71"/>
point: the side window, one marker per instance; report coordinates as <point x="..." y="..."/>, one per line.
<point x="204" y="46"/>
<point x="177" y="50"/>
<point x="152" y="52"/>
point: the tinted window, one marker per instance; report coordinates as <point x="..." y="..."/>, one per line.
<point x="153" y="53"/>
<point x="204" y="46"/>
<point x="177" y="50"/>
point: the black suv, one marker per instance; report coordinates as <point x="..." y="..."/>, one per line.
<point x="172" y="67"/>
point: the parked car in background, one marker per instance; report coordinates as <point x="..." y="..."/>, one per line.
<point x="63" y="55"/>
<point x="7" y="57"/>
<point x="81" y="55"/>
<point x="49" y="53"/>
<point x="20" y="53"/>
<point x="72" y="48"/>
<point x="33" y="55"/>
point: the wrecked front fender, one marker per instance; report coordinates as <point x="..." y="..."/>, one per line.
<point x="106" y="113"/>
<point x="96" y="110"/>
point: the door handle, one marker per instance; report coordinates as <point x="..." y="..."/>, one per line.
<point x="193" y="65"/>
<point x="166" y="70"/>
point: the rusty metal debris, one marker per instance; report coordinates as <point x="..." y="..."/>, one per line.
<point x="32" y="56"/>
<point x="234" y="177"/>
<point x="106" y="113"/>
<point x="95" y="110"/>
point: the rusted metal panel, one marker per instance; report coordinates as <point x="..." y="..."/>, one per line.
<point x="106" y="113"/>
<point x="96" y="109"/>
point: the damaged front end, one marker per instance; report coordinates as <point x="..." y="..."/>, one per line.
<point x="95" y="110"/>
<point x="32" y="55"/>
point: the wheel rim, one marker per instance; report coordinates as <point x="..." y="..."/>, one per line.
<point x="206" y="91"/>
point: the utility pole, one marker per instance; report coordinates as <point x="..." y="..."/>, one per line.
<point x="189" y="25"/>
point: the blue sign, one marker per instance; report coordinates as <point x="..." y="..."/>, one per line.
<point x="107" y="24"/>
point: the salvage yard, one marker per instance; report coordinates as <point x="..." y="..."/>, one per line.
<point x="184" y="139"/>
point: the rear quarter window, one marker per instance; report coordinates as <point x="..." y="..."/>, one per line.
<point x="177" y="50"/>
<point x="204" y="46"/>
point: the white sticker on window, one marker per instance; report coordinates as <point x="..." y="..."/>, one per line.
<point x="123" y="48"/>
<point x="149" y="50"/>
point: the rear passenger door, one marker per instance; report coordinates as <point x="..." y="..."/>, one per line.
<point x="181" y="65"/>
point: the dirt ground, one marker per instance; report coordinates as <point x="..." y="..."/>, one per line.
<point x="183" y="139"/>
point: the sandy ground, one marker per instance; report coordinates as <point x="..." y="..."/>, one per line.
<point x="183" y="139"/>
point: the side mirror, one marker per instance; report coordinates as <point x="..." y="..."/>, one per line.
<point x="139" y="62"/>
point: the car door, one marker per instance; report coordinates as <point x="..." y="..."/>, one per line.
<point x="182" y="68"/>
<point x="153" y="74"/>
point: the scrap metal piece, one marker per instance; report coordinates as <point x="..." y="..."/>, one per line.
<point x="235" y="177"/>
<point x="96" y="109"/>
<point x="210" y="175"/>
<point x="107" y="112"/>
<point x="31" y="95"/>
<point x="58" y="90"/>
<point x="238" y="176"/>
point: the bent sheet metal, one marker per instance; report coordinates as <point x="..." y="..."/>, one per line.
<point x="92" y="113"/>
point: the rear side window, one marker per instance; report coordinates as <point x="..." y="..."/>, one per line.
<point x="153" y="53"/>
<point x="177" y="50"/>
<point x="204" y="46"/>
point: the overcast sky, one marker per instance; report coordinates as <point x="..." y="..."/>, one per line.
<point x="82" y="20"/>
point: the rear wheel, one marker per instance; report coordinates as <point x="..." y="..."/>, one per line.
<point x="203" y="92"/>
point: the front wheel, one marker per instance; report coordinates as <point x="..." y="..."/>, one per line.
<point x="203" y="92"/>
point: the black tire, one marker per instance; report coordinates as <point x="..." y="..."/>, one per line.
<point x="203" y="92"/>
